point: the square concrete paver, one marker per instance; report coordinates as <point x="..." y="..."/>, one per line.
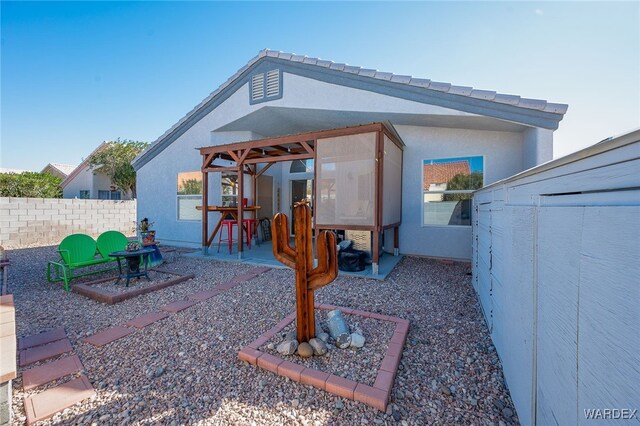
<point x="178" y="306"/>
<point x="109" y="335"/>
<point x="41" y="338"/>
<point x="46" y="373"/>
<point x="203" y="295"/>
<point x="45" y="404"/>
<point x="40" y="353"/>
<point x="146" y="319"/>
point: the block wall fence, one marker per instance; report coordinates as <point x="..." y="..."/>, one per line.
<point x="46" y="221"/>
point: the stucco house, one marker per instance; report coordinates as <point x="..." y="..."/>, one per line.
<point x="58" y="169"/>
<point x="85" y="182"/>
<point x="442" y="131"/>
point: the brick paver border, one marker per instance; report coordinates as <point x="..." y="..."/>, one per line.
<point x="112" y="334"/>
<point x="111" y="298"/>
<point x="376" y="396"/>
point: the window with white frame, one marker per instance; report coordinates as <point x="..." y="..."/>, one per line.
<point x="109" y="195"/>
<point x="447" y="189"/>
<point x="189" y="195"/>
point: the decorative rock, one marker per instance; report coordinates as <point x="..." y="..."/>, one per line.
<point x="319" y="347"/>
<point x="323" y="336"/>
<point x="290" y="335"/>
<point x="451" y="331"/>
<point x="295" y="402"/>
<point x="357" y="340"/>
<point x="271" y="346"/>
<point x="287" y="347"/>
<point x="305" y="350"/>
<point x="507" y="412"/>
<point x="339" y="404"/>
<point x="338" y="329"/>
<point x="159" y="371"/>
<point x="445" y="390"/>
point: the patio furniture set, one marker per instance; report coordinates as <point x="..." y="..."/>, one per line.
<point x="80" y="251"/>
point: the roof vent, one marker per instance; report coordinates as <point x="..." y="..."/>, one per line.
<point x="273" y="83"/>
<point x="257" y="87"/>
<point x="265" y="86"/>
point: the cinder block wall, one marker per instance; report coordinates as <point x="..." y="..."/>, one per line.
<point x="46" y="221"/>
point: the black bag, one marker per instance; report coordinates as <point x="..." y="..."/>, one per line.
<point x="350" y="259"/>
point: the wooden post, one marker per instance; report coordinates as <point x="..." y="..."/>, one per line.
<point x="240" y="208"/>
<point x="300" y="258"/>
<point x="205" y="212"/>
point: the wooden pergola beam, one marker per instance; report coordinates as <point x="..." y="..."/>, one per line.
<point x="292" y="139"/>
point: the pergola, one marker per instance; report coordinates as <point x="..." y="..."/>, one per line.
<point x="338" y="153"/>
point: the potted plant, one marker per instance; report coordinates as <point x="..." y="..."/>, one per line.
<point x="147" y="235"/>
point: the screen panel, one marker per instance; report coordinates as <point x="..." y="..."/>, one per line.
<point x="345" y="180"/>
<point x="391" y="183"/>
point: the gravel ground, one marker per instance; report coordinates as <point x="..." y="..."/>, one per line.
<point x="361" y="364"/>
<point x="185" y="370"/>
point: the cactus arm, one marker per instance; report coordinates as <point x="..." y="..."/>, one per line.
<point x="327" y="269"/>
<point x="282" y="251"/>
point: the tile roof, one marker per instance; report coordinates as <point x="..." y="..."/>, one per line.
<point x="439" y="173"/>
<point x="535" y="104"/>
<point x="465" y="91"/>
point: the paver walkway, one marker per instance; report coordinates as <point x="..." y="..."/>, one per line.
<point x="42" y="346"/>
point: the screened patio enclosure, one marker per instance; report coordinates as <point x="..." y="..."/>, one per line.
<point x="357" y="172"/>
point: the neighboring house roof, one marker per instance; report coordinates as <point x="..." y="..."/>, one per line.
<point x="64" y="169"/>
<point x="82" y="166"/>
<point x="439" y="173"/>
<point x="533" y="112"/>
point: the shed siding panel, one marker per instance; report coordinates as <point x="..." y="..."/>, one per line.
<point x="609" y="324"/>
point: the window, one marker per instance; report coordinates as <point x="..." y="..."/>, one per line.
<point x="301" y="166"/>
<point x="189" y="195"/>
<point x="85" y="194"/>
<point x="229" y="189"/>
<point x="447" y="186"/>
<point x="109" y="195"/>
<point x="265" y="86"/>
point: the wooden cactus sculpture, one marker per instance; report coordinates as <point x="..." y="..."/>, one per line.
<point x="300" y="258"/>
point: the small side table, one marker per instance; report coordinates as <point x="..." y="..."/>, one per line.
<point x="133" y="259"/>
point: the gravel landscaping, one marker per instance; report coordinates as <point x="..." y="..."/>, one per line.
<point x="360" y="365"/>
<point x="185" y="370"/>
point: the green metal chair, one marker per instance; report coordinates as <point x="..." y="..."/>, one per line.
<point x="111" y="241"/>
<point x="76" y="251"/>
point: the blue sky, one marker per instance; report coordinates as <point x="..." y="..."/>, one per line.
<point x="75" y="74"/>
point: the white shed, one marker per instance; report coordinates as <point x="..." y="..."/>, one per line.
<point x="556" y="261"/>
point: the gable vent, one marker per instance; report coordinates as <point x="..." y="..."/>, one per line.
<point x="257" y="87"/>
<point x="273" y="83"/>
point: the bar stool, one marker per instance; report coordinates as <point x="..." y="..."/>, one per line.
<point x="251" y="225"/>
<point x="229" y="224"/>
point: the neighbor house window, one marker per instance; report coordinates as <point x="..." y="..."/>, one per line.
<point x="109" y="195"/>
<point x="229" y="189"/>
<point x="189" y="195"/>
<point x="85" y="194"/>
<point x="447" y="188"/>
